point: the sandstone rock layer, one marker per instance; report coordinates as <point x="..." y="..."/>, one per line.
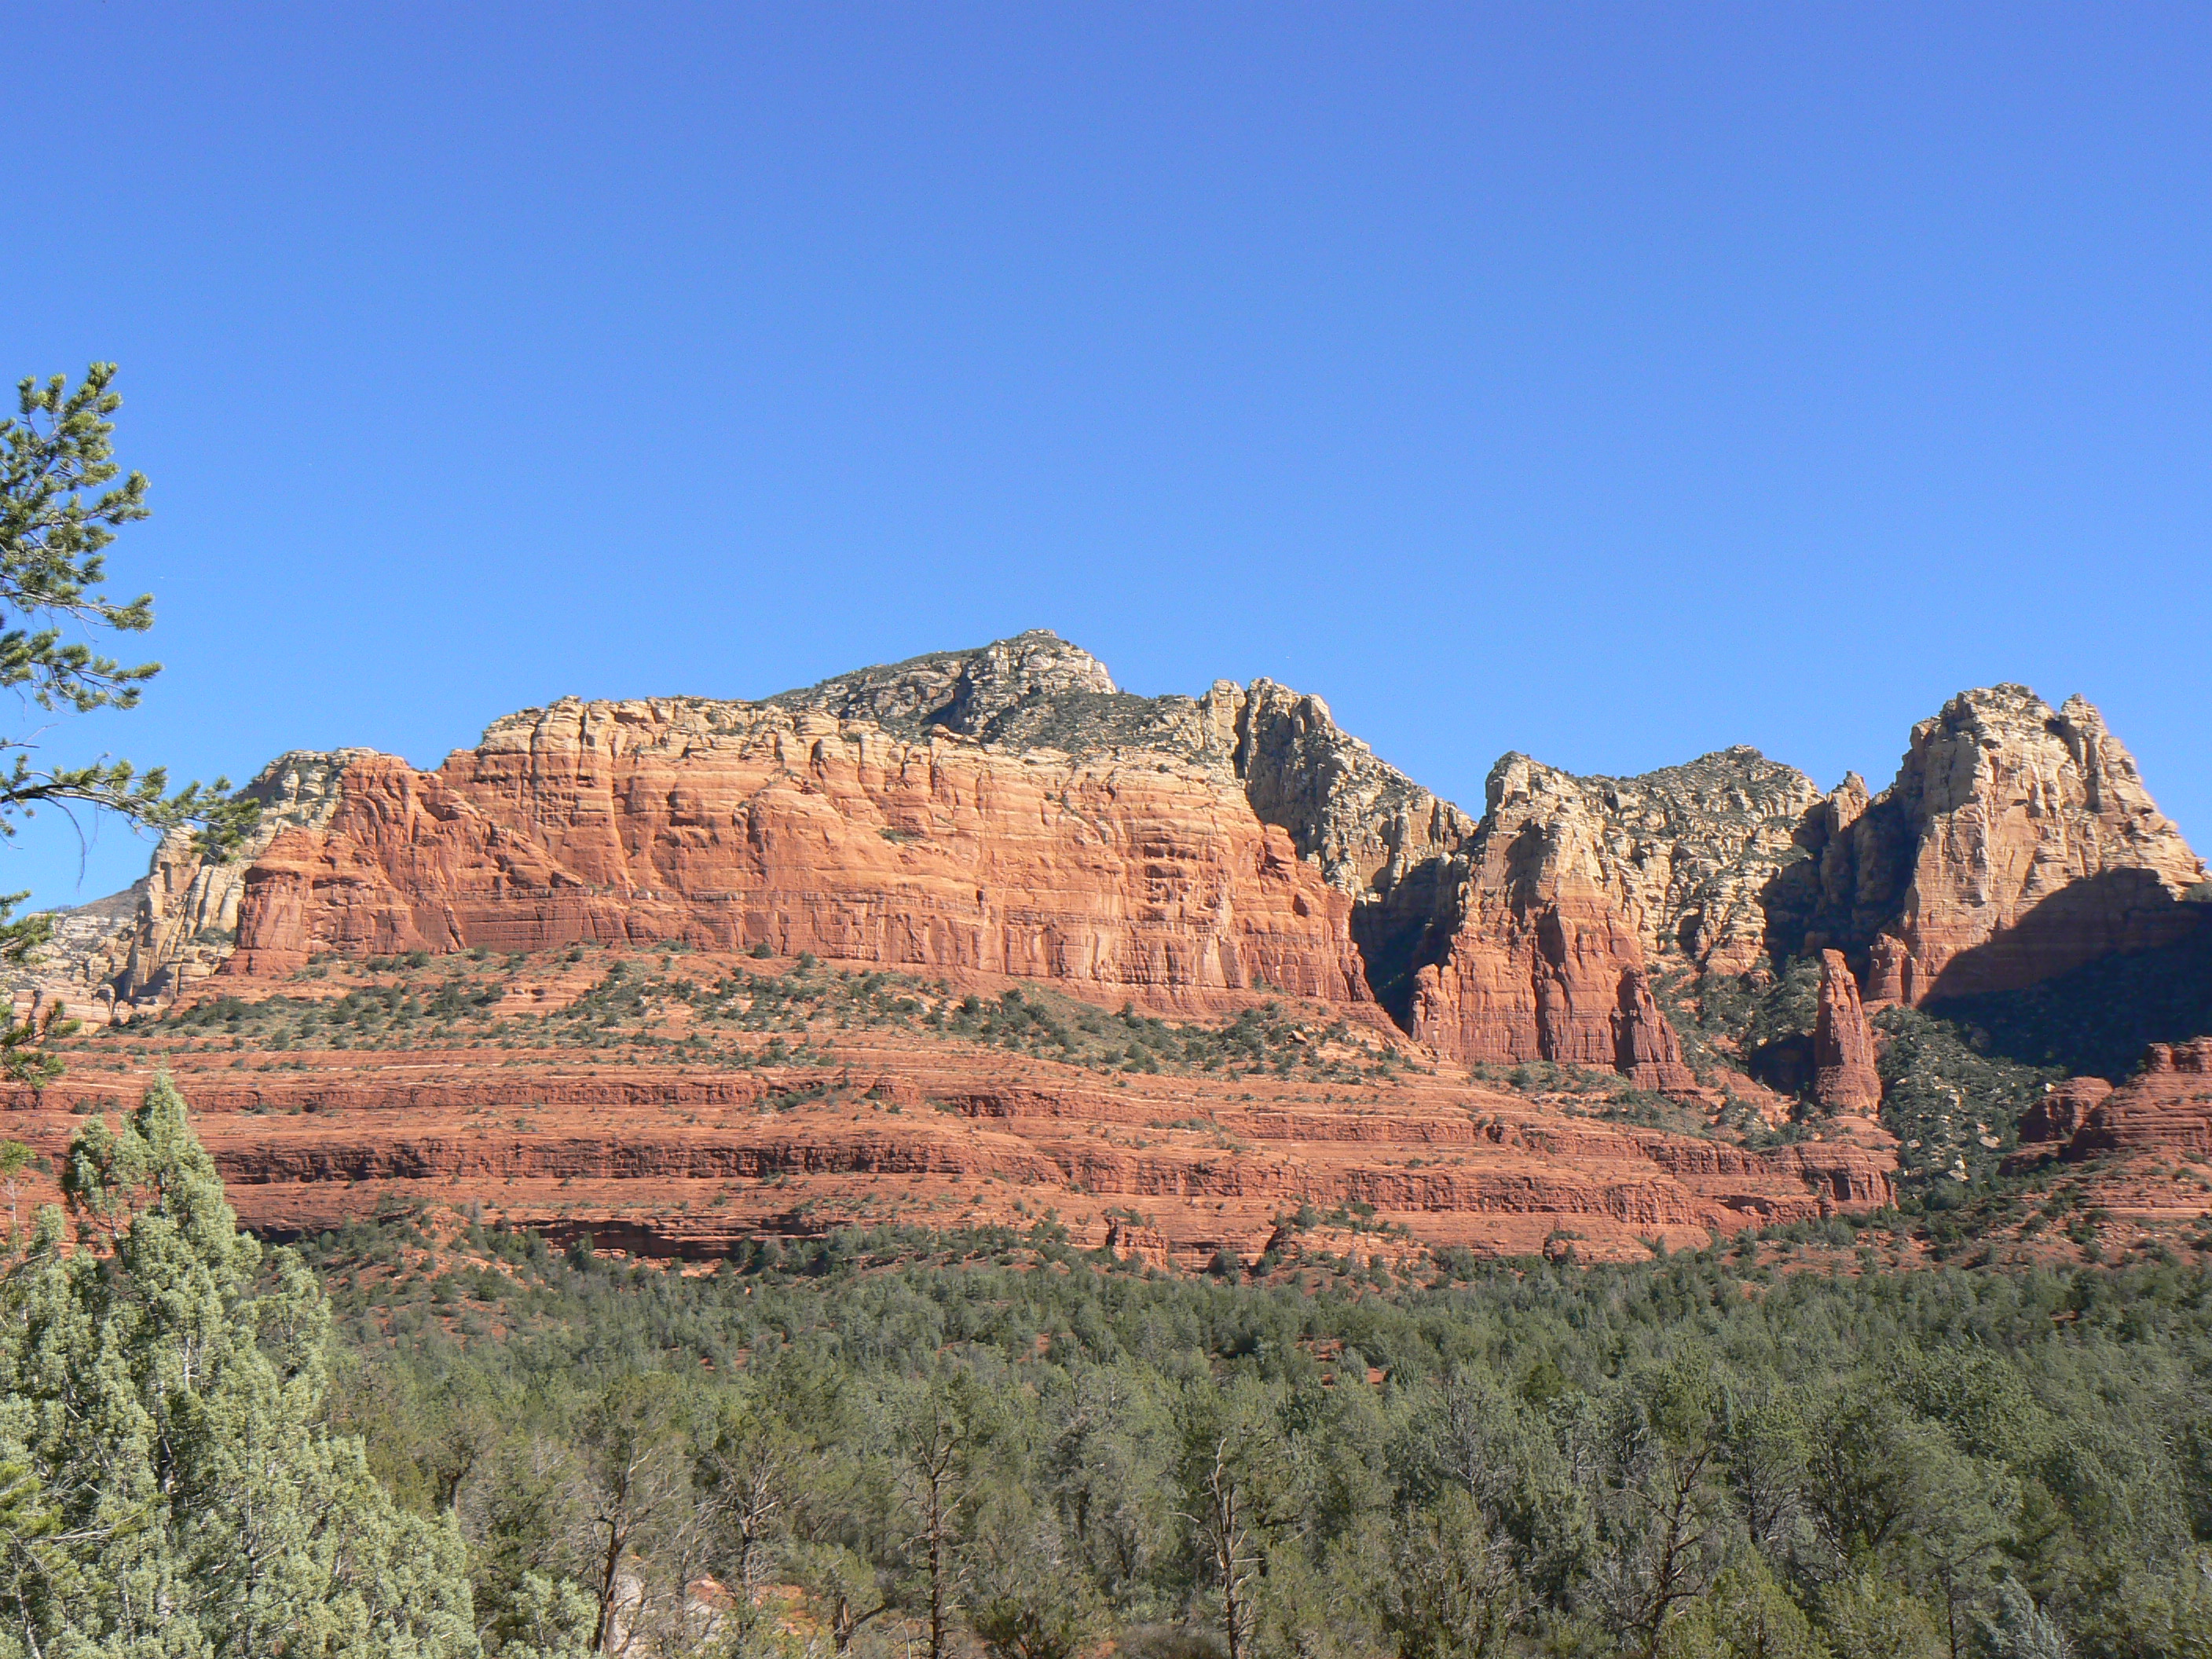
<point x="726" y="826"/>
<point x="923" y="1127"/>
<point x="2165" y="1108"/>
<point x="1845" y="1078"/>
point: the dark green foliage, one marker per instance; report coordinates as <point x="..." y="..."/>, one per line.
<point x="1619" y="1461"/>
<point x="1954" y="1107"/>
<point x="55" y="521"/>
<point x="172" y="1484"/>
<point x="1760" y="1023"/>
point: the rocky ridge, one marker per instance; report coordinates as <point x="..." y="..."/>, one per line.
<point x="1010" y="812"/>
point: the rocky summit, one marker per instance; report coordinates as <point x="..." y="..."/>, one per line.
<point x="1610" y="1010"/>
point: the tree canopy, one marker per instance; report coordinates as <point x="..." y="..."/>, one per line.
<point x="169" y="1484"/>
<point x="61" y="505"/>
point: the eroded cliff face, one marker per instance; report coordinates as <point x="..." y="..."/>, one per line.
<point x="1686" y="854"/>
<point x="728" y="825"/>
<point x="1004" y="810"/>
<point x="1541" y="962"/>
<point x="1009" y="810"/>
<point x="2017" y="843"/>
<point x="1368" y="826"/>
<point x="188" y="910"/>
<point x="2166" y="1108"/>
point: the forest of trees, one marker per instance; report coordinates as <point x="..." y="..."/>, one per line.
<point x="419" y="1438"/>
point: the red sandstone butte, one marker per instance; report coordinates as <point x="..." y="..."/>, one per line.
<point x="724" y="826"/>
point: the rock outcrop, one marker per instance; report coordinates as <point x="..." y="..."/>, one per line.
<point x="1368" y="826"/>
<point x="2047" y="1125"/>
<point x="1640" y="875"/>
<point x="72" y="976"/>
<point x="1541" y="964"/>
<point x="187" y="924"/>
<point x="1845" y="1078"/>
<point x="1686" y="853"/>
<point x="2017" y="843"/>
<point x="2166" y="1108"/>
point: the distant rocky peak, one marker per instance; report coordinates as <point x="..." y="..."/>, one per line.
<point x="1737" y="782"/>
<point x="2002" y="748"/>
<point x="2017" y="842"/>
<point x="1365" y="822"/>
<point x="971" y="692"/>
<point x="1029" y="668"/>
<point x="1516" y="779"/>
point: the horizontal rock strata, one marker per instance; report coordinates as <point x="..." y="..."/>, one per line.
<point x="928" y="1130"/>
<point x="2167" y="1107"/>
<point x="727" y="826"/>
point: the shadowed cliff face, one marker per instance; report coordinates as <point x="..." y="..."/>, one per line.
<point x="2018" y="842"/>
<point x="1010" y="810"/>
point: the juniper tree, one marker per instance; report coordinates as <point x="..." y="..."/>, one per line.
<point x="168" y="1481"/>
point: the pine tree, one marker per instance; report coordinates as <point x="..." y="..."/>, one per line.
<point x="56" y="521"/>
<point x="168" y="1483"/>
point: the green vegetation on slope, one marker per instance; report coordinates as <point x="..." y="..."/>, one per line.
<point x="1952" y="1092"/>
<point x="473" y="1001"/>
<point x="1003" y="1442"/>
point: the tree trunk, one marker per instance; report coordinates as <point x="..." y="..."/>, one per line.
<point x="603" y="1633"/>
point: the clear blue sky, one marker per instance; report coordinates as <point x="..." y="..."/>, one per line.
<point x="1611" y="382"/>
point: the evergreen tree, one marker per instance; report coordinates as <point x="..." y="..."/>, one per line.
<point x="56" y="521"/>
<point x="168" y="1484"/>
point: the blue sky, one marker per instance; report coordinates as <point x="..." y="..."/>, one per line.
<point x="1614" y="383"/>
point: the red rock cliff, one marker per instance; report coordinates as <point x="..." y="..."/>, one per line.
<point x="1009" y="810"/>
<point x="2016" y="844"/>
<point x="1543" y="965"/>
<point x="728" y="825"/>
